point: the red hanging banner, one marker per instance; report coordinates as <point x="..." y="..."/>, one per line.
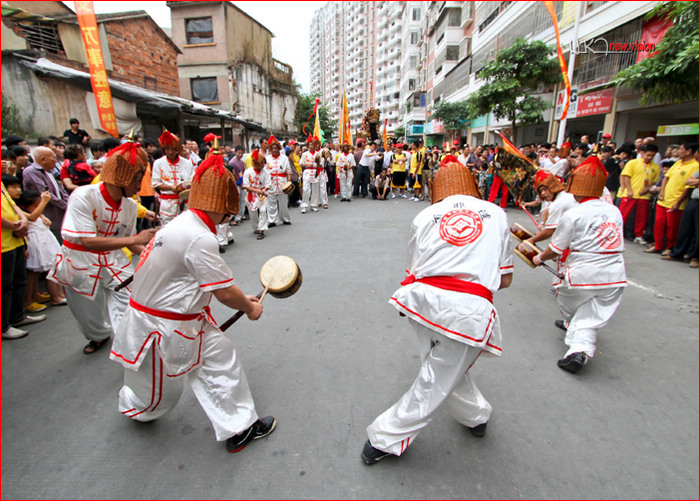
<point x="98" y="75"/>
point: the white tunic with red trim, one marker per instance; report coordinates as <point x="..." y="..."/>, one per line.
<point x="557" y="208"/>
<point x="172" y="287"/>
<point x="465" y="241"/>
<point x="92" y="212"/>
<point x="259" y="180"/>
<point x="279" y="170"/>
<point x="592" y="233"/>
<point x="344" y="164"/>
<point x="166" y="172"/>
<point x="312" y="171"/>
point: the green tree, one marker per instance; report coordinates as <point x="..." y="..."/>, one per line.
<point x="305" y="106"/>
<point x="453" y="115"/>
<point x="399" y="132"/>
<point x="10" y="117"/>
<point x="510" y="80"/>
<point x="671" y="76"/>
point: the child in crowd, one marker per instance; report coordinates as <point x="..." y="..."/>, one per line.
<point x="75" y="170"/>
<point x="42" y="247"/>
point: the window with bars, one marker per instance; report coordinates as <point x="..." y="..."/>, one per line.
<point x="199" y="31"/>
<point x="43" y="37"/>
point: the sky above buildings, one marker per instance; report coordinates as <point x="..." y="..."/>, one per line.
<point x="289" y="21"/>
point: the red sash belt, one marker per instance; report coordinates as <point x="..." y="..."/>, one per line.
<point x="452" y="284"/>
<point x="78" y="247"/>
<point x="280" y="174"/>
<point x="603" y="253"/>
<point x="170" y="315"/>
<point x="169" y="197"/>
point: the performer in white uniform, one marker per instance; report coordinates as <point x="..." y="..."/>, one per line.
<point x="344" y="165"/>
<point x="257" y="181"/>
<point x="556" y="202"/>
<point x="280" y="173"/>
<point x="458" y="256"/>
<point x="171" y="174"/>
<point x="594" y="270"/>
<point x="310" y="162"/>
<point x="168" y="336"/>
<point x="100" y="220"/>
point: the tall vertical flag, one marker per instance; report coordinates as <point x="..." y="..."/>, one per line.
<point x="303" y="129"/>
<point x="317" y="126"/>
<point x="348" y="133"/>
<point x="560" y="55"/>
<point x="98" y="75"/>
<point x="343" y="121"/>
<point x="386" y="121"/>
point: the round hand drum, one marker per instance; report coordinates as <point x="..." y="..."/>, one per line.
<point x="287" y="188"/>
<point x="184" y="195"/>
<point x="526" y="251"/>
<point x="280" y="276"/>
<point x="520" y="232"/>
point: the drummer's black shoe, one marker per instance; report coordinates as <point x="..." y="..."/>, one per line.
<point x="560" y="324"/>
<point x="370" y="455"/>
<point x="221" y="249"/>
<point x="478" y="431"/>
<point x="573" y="362"/>
<point x="261" y="428"/>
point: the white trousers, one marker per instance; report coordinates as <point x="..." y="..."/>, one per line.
<point x="309" y="189"/>
<point x="258" y="217"/>
<point x="99" y="318"/>
<point x="223" y="234"/>
<point x="346" y="186"/>
<point x="242" y="194"/>
<point x="585" y="311"/>
<point x="443" y="378"/>
<point x="277" y="210"/>
<point x="323" y="188"/>
<point x="169" y="210"/>
<point x="218" y="382"/>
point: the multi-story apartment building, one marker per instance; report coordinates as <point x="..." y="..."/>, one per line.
<point x="360" y="58"/>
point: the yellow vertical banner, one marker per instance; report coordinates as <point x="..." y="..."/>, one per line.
<point x="343" y="119"/>
<point x="386" y="121"/>
<point x="98" y="75"/>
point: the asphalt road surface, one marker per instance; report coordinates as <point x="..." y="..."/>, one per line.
<point x="328" y="360"/>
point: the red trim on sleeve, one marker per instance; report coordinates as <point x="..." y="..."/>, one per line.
<point x="216" y="283"/>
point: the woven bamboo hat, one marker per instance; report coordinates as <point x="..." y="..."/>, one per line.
<point x="588" y="179"/>
<point x="452" y="178"/>
<point x="549" y="180"/>
<point x="564" y="150"/>
<point x="213" y="186"/>
<point x="123" y="163"/>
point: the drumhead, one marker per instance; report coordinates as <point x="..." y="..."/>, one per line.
<point x="279" y="274"/>
<point x="184" y="195"/>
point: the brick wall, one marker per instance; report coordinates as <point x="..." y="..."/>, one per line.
<point x="139" y="50"/>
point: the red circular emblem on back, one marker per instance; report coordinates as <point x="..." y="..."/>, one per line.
<point x="610" y="236"/>
<point x="460" y="227"/>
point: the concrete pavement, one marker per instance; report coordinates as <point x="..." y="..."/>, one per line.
<point x="328" y="360"/>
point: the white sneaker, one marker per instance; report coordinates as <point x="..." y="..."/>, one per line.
<point x="335" y="196"/>
<point x="30" y="320"/>
<point x="13" y="333"/>
<point x="416" y="199"/>
<point x="303" y="211"/>
<point x="314" y="209"/>
<point x="393" y="195"/>
<point x="640" y="240"/>
<point x="403" y="195"/>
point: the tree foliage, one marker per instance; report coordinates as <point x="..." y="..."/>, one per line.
<point x="453" y="115"/>
<point x="510" y="80"/>
<point x="305" y="106"/>
<point x="10" y="117"/>
<point x="399" y="132"/>
<point x="670" y="76"/>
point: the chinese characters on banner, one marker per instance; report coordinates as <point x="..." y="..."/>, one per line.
<point x="98" y="74"/>
<point x="593" y="103"/>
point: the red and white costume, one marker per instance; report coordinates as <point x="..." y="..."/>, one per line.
<point x="344" y="164"/>
<point x="456" y="255"/>
<point x="168" y="336"/>
<point x="257" y="207"/>
<point x="89" y="277"/>
<point x="280" y="171"/>
<point x="310" y="177"/>
<point x="590" y="236"/>
<point x="555" y="210"/>
<point x="166" y="172"/>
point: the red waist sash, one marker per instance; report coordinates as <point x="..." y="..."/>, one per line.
<point x="452" y="284"/>
<point x="170" y="315"/>
<point x="169" y="197"/>
<point x="78" y="247"/>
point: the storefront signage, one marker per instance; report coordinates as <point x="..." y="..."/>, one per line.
<point x="678" y="130"/>
<point x="595" y="103"/>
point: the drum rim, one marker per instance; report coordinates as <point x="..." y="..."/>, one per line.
<point x="288" y="285"/>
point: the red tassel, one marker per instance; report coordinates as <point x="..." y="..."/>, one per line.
<point x="129" y="150"/>
<point x="303" y="129"/>
<point x="209" y="137"/>
<point x="214" y="161"/>
<point x="167" y="138"/>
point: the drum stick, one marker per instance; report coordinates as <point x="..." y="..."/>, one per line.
<point x="228" y="323"/>
<point x="125" y="283"/>
<point x="529" y="215"/>
<point x="549" y="268"/>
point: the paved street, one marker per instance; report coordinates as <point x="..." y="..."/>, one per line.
<point x="328" y="360"/>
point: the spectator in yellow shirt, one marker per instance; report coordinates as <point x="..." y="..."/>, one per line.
<point x="636" y="181"/>
<point x="672" y="200"/>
